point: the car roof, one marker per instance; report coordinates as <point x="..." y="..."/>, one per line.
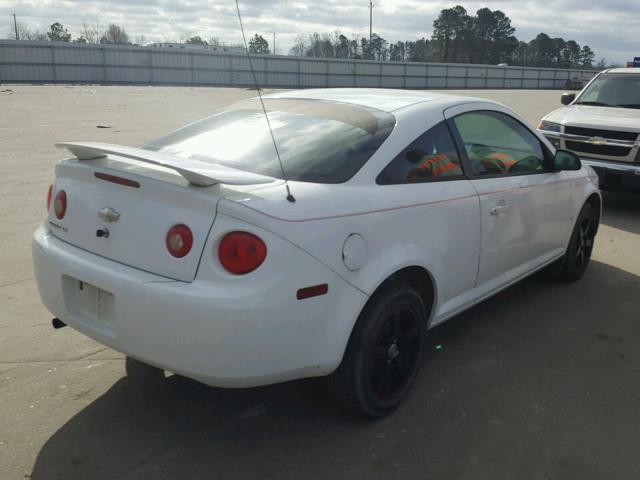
<point x="384" y="99"/>
<point x="623" y="70"/>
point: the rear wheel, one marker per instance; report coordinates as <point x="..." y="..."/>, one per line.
<point x="575" y="261"/>
<point x="383" y="355"/>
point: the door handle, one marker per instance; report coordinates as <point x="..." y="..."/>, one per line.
<point x="499" y="209"/>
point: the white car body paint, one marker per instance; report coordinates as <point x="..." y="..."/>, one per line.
<point x="192" y="317"/>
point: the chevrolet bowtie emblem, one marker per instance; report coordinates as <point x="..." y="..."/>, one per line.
<point x="108" y="214"/>
<point x="597" y="140"/>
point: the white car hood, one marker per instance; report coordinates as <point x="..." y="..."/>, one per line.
<point x="624" y="119"/>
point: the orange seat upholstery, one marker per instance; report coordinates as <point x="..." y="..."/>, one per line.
<point x="433" y="166"/>
<point x="497" y="162"/>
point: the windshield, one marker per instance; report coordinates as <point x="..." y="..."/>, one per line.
<point x="613" y="90"/>
<point x="318" y="141"/>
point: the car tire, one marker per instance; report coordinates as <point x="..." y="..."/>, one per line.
<point x="573" y="265"/>
<point x="383" y="355"/>
<point x="137" y="370"/>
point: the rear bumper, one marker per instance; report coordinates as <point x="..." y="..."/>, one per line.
<point x="233" y="337"/>
<point x="616" y="176"/>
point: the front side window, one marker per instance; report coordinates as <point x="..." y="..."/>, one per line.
<point x="318" y="141"/>
<point x="432" y="156"/>
<point x="497" y="144"/>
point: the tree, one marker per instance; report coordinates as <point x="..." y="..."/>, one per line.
<point x="378" y="48"/>
<point x="586" y="56"/>
<point x="299" y="46"/>
<point x="365" y="48"/>
<point x="451" y="34"/>
<point x="398" y="51"/>
<point x="259" y="45"/>
<point x="115" y="35"/>
<point x="571" y="54"/>
<point x="354" y="49"/>
<point x="57" y="33"/>
<point x="91" y="32"/>
<point x="495" y="34"/>
<point x="541" y="50"/>
<point x="343" y="47"/>
<point x="196" y="40"/>
<point x="24" y="33"/>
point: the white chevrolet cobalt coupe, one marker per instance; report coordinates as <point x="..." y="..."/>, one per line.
<point x="405" y="208"/>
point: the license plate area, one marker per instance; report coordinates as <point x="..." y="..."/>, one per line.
<point x="90" y="305"/>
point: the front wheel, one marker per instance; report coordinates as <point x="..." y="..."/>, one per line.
<point x="383" y="355"/>
<point x="576" y="259"/>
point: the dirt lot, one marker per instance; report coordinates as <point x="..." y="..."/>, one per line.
<point x="539" y="382"/>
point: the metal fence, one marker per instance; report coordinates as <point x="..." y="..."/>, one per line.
<point x="46" y="62"/>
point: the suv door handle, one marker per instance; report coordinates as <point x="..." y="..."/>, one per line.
<point x="498" y="209"/>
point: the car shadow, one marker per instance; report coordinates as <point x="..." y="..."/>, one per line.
<point x="540" y="381"/>
<point x="621" y="210"/>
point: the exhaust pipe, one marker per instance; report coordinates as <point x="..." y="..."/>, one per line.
<point x="57" y="323"/>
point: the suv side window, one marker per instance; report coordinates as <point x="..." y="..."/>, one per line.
<point x="497" y="144"/>
<point x="432" y="156"/>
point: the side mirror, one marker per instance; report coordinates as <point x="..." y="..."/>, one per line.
<point x="567" y="98"/>
<point x="566" y="160"/>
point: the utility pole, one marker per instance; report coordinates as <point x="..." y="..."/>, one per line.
<point x="274" y="43"/>
<point x="15" y="25"/>
<point x="370" y="28"/>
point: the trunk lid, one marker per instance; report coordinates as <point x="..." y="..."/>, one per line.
<point x="137" y="238"/>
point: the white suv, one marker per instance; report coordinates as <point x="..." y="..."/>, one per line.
<point x="601" y="125"/>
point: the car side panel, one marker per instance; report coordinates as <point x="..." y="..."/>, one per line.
<point x="431" y="225"/>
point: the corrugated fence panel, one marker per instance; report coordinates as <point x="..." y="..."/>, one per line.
<point x="79" y="73"/>
<point x="313" y="66"/>
<point x="45" y="62"/>
<point x="77" y="56"/>
<point x="123" y="58"/>
<point x="173" y="60"/>
<point x="341" y="68"/>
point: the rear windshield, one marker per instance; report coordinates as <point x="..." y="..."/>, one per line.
<point x="319" y="141"/>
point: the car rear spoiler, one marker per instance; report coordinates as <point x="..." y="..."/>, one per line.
<point x="197" y="172"/>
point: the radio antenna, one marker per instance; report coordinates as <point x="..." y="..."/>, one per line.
<point x="266" y="115"/>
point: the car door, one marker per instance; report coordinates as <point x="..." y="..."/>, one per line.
<point x="443" y="225"/>
<point x="525" y="206"/>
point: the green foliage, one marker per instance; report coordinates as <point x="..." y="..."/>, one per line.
<point x="458" y="37"/>
<point x="257" y="44"/>
<point x="57" y="33"/>
<point x="197" y="41"/>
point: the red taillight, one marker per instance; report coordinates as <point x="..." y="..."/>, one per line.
<point x="49" y="194"/>
<point x="241" y="252"/>
<point x="60" y="204"/>
<point x="179" y="240"/>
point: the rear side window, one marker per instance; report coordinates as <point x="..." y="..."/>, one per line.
<point x="497" y="144"/>
<point x="432" y="156"/>
<point x="319" y="141"/>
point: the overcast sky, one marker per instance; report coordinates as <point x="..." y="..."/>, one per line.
<point x="610" y="27"/>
